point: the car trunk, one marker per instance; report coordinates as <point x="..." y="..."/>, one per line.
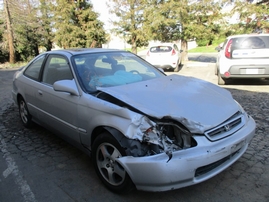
<point x="251" y="47"/>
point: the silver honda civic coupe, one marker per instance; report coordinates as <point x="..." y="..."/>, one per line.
<point x="142" y="128"/>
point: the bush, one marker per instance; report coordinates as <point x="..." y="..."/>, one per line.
<point x="202" y="42"/>
<point x="3" y="56"/>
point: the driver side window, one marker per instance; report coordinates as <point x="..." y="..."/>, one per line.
<point x="56" y="69"/>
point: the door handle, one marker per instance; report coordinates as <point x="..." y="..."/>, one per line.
<point x="40" y="92"/>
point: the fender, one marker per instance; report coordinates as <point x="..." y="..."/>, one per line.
<point x="132" y="147"/>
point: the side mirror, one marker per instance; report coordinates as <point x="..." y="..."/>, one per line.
<point x="218" y="48"/>
<point x="66" y="86"/>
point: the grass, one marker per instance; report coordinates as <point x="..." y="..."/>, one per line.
<point x="204" y="49"/>
<point x="208" y="49"/>
<point x="8" y="65"/>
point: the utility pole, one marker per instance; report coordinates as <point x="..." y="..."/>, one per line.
<point x="9" y="34"/>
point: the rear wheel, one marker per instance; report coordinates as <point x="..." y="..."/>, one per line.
<point x="105" y="151"/>
<point x="24" y="113"/>
<point x="216" y="69"/>
<point x="221" y="81"/>
<point x="178" y="66"/>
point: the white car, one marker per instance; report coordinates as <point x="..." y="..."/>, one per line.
<point x="243" y="56"/>
<point x="165" y="56"/>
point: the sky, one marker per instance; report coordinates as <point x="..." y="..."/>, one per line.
<point x="100" y="7"/>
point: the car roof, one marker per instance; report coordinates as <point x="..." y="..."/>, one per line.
<point x="246" y="35"/>
<point x="78" y="51"/>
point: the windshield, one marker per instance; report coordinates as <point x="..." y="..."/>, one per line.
<point x="107" y="69"/>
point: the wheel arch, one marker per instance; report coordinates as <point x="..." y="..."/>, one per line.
<point x="18" y="97"/>
<point x="132" y="147"/>
<point x="108" y="137"/>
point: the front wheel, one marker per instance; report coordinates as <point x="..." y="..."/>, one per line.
<point x="24" y="114"/>
<point x="105" y="151"/>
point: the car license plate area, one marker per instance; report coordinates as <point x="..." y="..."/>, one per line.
<point x="252" y="71"/>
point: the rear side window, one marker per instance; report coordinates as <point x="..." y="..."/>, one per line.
<point x="160" y="49"/>
<point x="253" y="42"/>
<point x="34" y="69"/>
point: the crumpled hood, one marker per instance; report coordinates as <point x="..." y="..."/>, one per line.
<point x="197" y="104"/>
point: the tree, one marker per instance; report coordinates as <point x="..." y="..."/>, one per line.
<point x="12" y="58"/>
<point x="23" y="27"/>
<point x="129" y="21"/>
<point x="254" y="17"/>
<point x="1" y="29"/>
<point x="77" y="25"/>
<point x="46" y="24"/>
<point x="3" y="52"/>
<point x="174" y="20"/>
<point x="27" y="35"/>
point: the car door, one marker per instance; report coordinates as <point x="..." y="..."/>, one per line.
<point x="58" y="109"/>
<point x="31" y="81"/>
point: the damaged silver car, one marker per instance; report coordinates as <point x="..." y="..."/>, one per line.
<point x="143" y="129"/>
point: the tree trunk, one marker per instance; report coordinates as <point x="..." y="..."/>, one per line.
<point x="134" y="48"/>
<point x="49" y="45"/>
<point x="93" y="44"/>
<point x="12" y="58"/>
<point x="184" y="47"/>
<point x="36" y="51"/>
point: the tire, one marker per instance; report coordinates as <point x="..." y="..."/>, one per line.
<point x="25" y="116"/>
<point x="177" y="67"/>
<point x="105" y="150"/>
<point x="216" y="70"/>
<point x="221" y="81"/>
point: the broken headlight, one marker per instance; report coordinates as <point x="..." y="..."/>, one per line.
<point x="167" y="137"/>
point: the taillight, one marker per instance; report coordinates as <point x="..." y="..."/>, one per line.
<point x="148" y="53"/>
<point x="228" y="49"/>
<point x="173" y="52"/>
<point x="227" y="74"/>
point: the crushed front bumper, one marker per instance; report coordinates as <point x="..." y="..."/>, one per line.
<point x="189" y="166"/>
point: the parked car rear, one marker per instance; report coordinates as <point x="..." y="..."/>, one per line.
<point x="165" y="56"/>
<point x="243" y="56"/>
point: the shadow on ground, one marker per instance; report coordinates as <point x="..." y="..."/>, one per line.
<point x="248" y="82"/>
<point x="203" y="57"/>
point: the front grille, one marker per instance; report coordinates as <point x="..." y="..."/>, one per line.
<point x="227" y="128"/>
<point x="224" y="128"/>
<point x="205" y="169"/>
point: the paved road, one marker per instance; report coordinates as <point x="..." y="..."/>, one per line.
<point x="36" y="165"/>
